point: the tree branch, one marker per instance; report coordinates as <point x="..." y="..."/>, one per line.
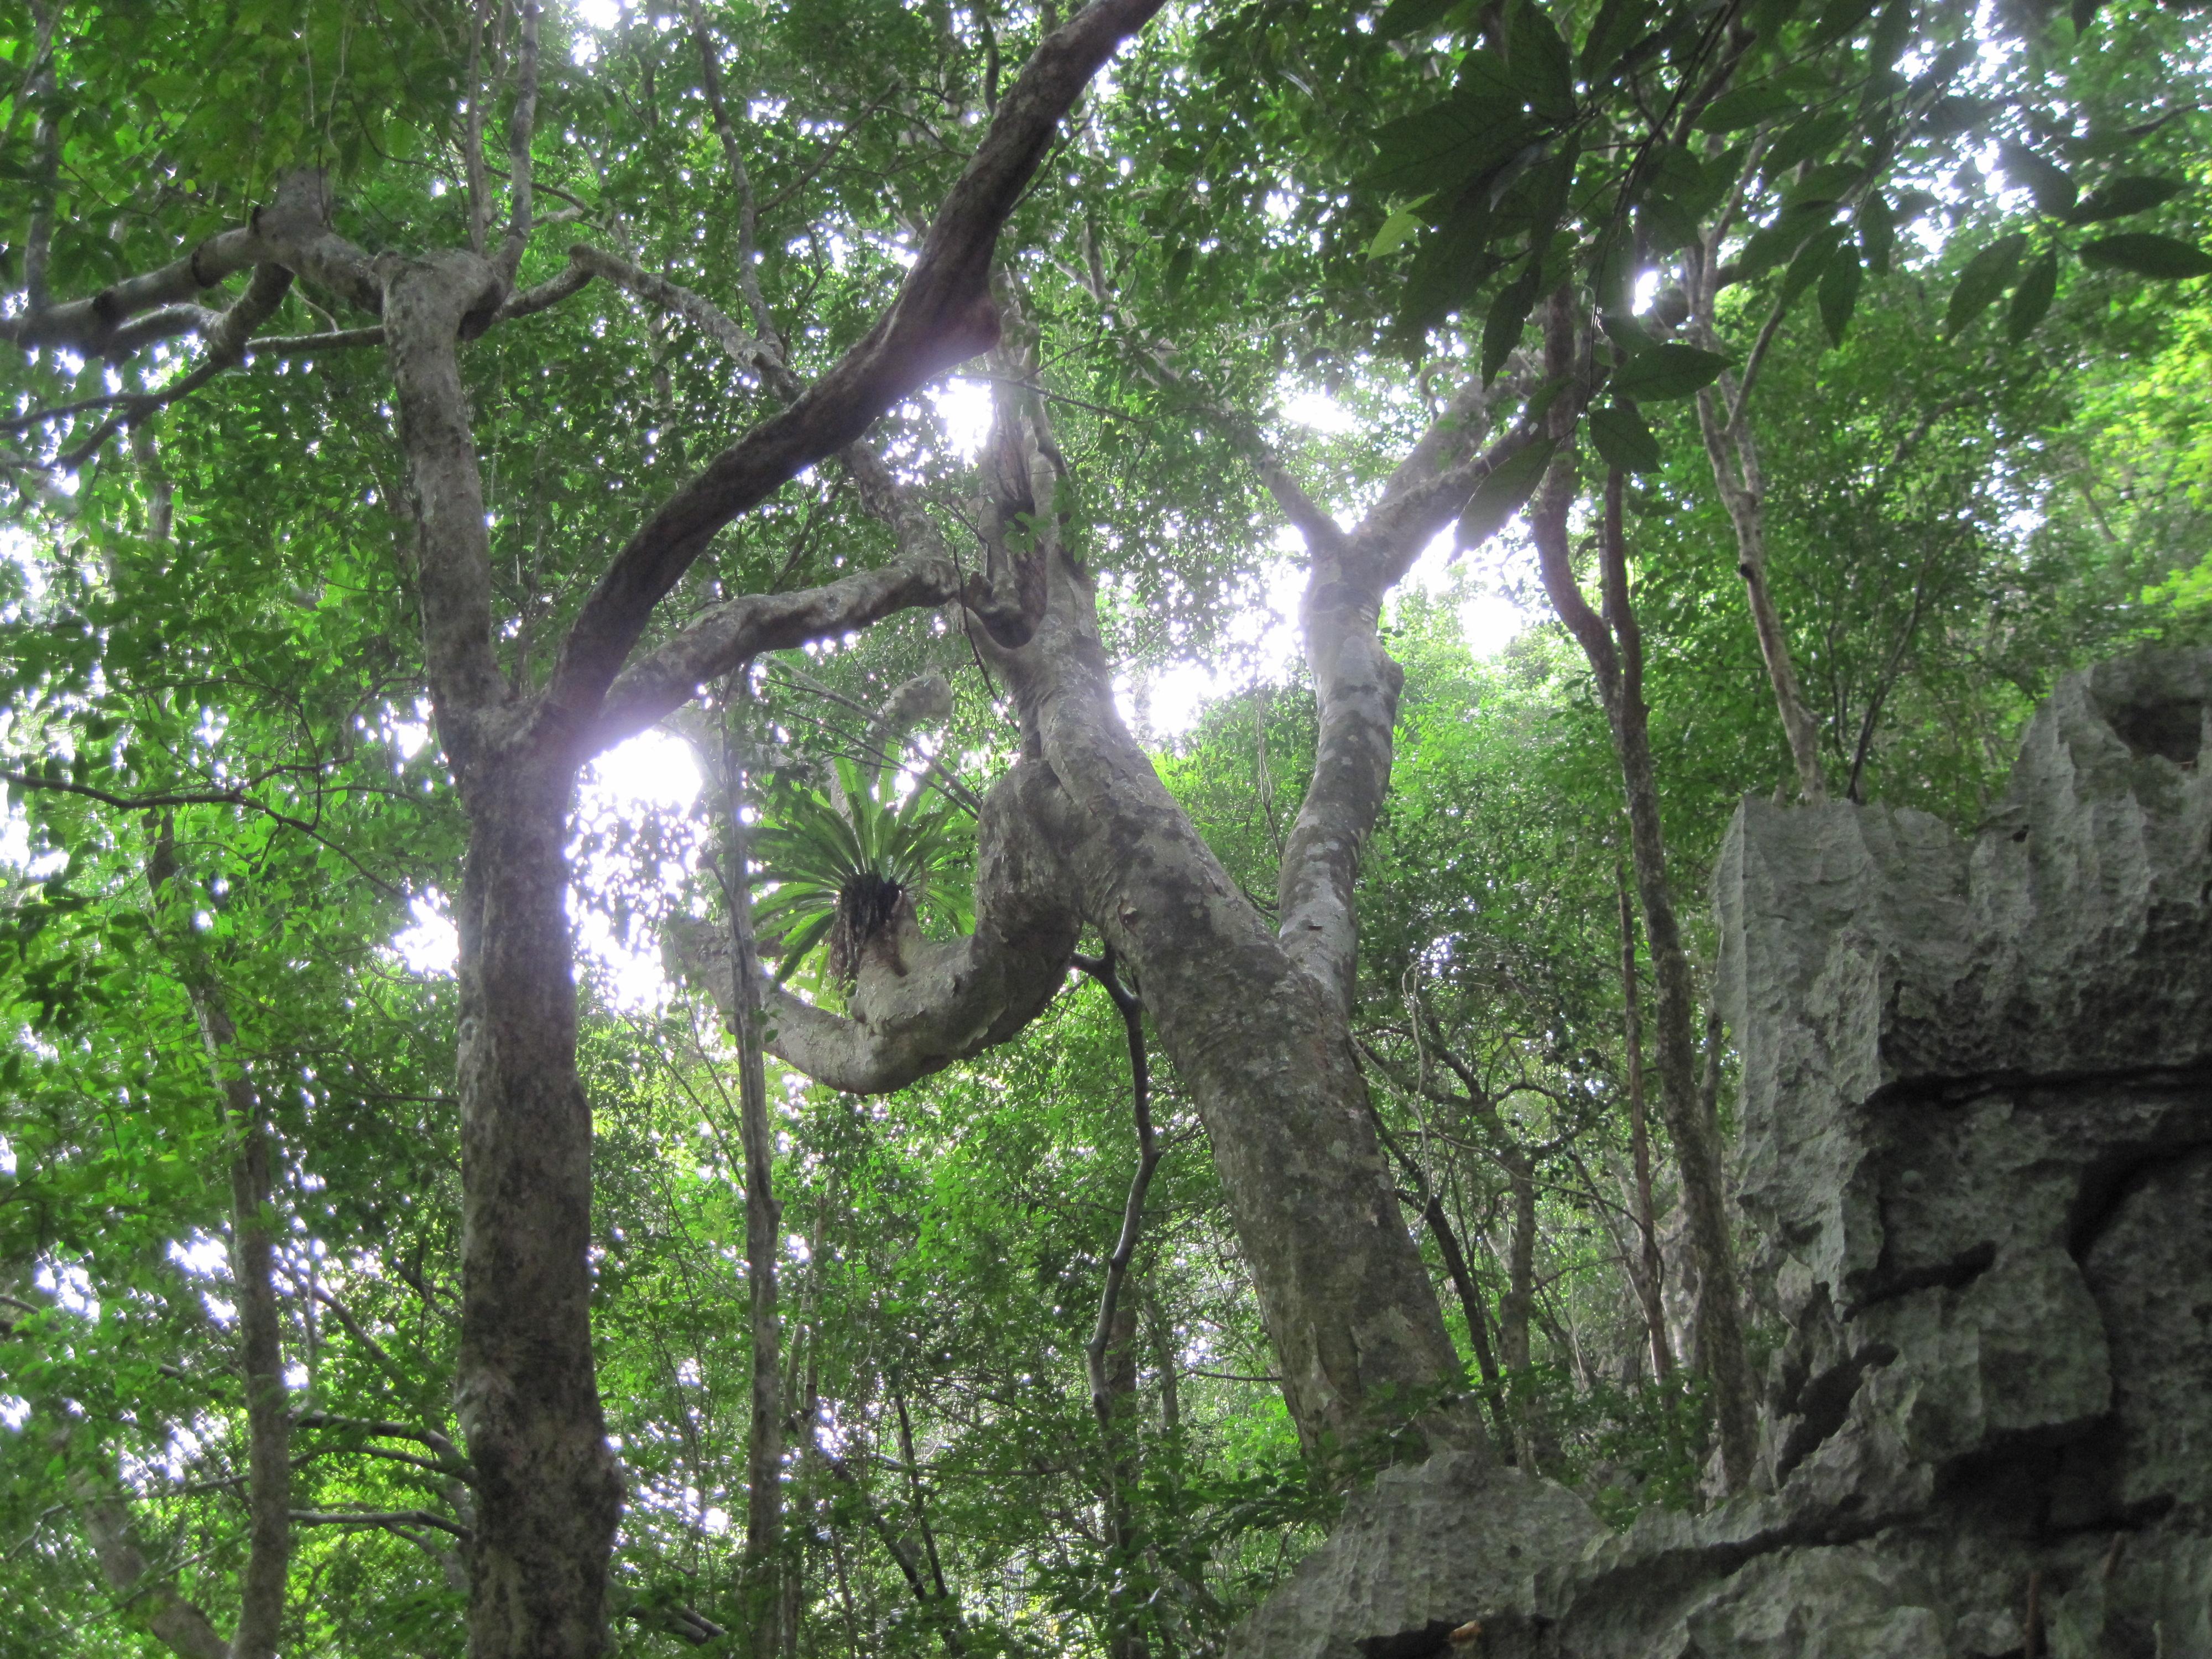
<point x="520" y="126"/>
<point x="718" y="639"/>
<point x="943" y="315"/>
<point x="710" y="82"/>
<point x="387" y="1518"/>
<point x="178" y="1625"/>
<point x="244" y="1119"/>
<point x="1356" y="683"/>
<point x="703" y="313"/>
<point x="472" y="156"/>
<point x="935" y="1002"/>
<point x="374" y="1430"/>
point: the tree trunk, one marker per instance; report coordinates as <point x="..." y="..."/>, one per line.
<point x="1613" y="645"/>
<point x="1257" y="1020"/>
<point x="1268" y="1059"/>
<point x="548" y="1491"/>
<point x="1651" y="1280"/>
<point x="153" y="1598"/>
<point x="1517" y="1308"/>
<point x="1124" y="1541"/>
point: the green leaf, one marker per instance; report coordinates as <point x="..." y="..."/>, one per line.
<point x="1831" y="182"/>
<point x="1501" y="329"/>
<point x="1503" y="494"/>
<point x="1746" y="107"/>
<point x="1667" y="226"/>
<point x="1544" y="67"/>
<point x="1840" y="293"/>
<point x="2117" y="198"/>
<point x="1613" y="269"/>
<point x="2147" y="255"/>
<point x="1618" y="25"/>
<point x="2054" y="192"/>
<point x="1841" y="17"/>
<point x="1451" y="265"/>
<point x="1816" y="135"/>
<point x="1767" y="16"/>
<point x="1625" y="331"/>
<point x="2085" y="13"/>
<point x="1483" y="74"/>
<point x="1953" y="113"/>
<point x="798" y="943"/>
<point x="1541" y="399"/>
<point x="1403" y="17"/>
<point x="1447" y="144"/>
<point x="2032" y="299"/>
<point x="1877" y="227"/>
<point x="1987" y="274"/>
<point x="1780" y="241"/>
<point x="1672" y="370"/>
<point x="1178" y="262"/>
<point x="1622" y="437"/>
<point x="1399" y="228"/>
<point x="1891" y="31"/>
<point x="1806" y="268"/>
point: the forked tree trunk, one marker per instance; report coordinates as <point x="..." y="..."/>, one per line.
<point x="1265" y="1054"/>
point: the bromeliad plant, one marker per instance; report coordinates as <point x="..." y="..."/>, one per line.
<point x="846" y="870"/>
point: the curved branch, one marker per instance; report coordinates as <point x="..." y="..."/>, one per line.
<point x="921" y="1004"/>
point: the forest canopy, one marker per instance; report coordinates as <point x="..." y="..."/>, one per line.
<point x="841" y="827"/>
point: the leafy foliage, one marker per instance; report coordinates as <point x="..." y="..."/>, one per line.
<point x="850" y="876"/>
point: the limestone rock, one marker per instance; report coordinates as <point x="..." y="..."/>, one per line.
<point x="1405" y="1566"/>
<point x="1976" y="1142"/>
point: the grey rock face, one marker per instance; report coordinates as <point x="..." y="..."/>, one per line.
<point x="1977" y="1150"/>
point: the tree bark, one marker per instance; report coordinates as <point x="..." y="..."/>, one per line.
<point x="1651" y="1280"/>
<point x="548" y="1488"/>
<point x="1256" y="1018"/>
<point x="1614" y="647"/>
<point x="1266" y="1055"/>
<point x="154" y="1598"/>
